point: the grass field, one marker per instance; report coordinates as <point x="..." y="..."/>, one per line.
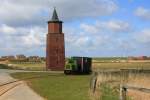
<point x="25" y="65"/>
<point x="59" y="87"/>
<point x="29" y="66"/>
<point x="138" y="65"/>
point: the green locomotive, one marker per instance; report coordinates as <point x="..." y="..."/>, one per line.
<point x="78" y="65"/>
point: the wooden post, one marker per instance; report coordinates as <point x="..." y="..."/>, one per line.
<point x="121" y="95"/>
<point x="93" y="82"/>
<point x="123" y="91"/>
<point x="123" y="77"/>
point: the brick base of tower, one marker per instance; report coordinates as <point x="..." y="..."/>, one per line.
<point x="55" y="52"/>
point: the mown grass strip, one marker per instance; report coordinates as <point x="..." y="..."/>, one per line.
<point x="59" y="88"/>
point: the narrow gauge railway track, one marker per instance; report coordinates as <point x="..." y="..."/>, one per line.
<point x="6" y="87"/>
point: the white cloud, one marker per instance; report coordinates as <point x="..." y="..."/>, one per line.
<point x="33" y="12"/>
<point x="17" y="39"/>
<point x="98" y="37"/>
<point x="21" y="12"/>
<point x="82" y="38"/>
<point x="143" y="36"/>
<point x="143" y="13"/>
<point x="85" y="8"/>
<point x="89" y="28"/>
<point x="7" y="29"/>
<point x="118" y="26"/>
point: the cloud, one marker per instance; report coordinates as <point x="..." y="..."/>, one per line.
<point x="85" y="8"/>
<point x="97" y="37"/>
<point x="80" y="39"/>
<point x="89" y="28"/>
<point x="115" y="26"/>
<point x="21" y="12"/>
<point x="21" y="39"/>
<point x="143" y="13"/>
<point x="101" y="38"/>
<point x="37" y="12"/>
<point x="143" y="36"/>
<point x="7" y="29"/>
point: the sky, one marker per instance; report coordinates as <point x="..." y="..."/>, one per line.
<point x="95" y="28"/>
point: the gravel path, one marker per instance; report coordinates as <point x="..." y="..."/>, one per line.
<point x="20" y="92"/>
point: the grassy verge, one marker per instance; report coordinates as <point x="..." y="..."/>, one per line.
<point x="108" y="93"/>
<point x="59" y="87"/>
<point x="28" y="66"/>
<point x="3" y="66"/>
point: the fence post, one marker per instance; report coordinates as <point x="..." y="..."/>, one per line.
<point x="123" y="91"/>
<point x="93" y="82"/>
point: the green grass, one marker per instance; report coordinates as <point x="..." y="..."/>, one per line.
<point x="59" y="87"/>
<point x="108" y="93"/>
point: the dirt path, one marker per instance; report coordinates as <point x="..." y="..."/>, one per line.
<point x="19" y="91"/>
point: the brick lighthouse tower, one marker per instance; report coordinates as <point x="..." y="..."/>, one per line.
<point x="55" y="48"/>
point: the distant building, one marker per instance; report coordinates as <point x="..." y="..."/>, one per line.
<point x="138" y="58"/>
<point x="34" y="58"/>
<point x="43" y="58"/>
<point x="142" y="58"/>
<point x="11" y="57"/>
<point x="4" y="57"/>
<point x="19" y="57"/>
<point x="131" y="58"/>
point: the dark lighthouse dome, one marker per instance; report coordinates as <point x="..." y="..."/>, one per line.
<point x="54" y="17"/>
